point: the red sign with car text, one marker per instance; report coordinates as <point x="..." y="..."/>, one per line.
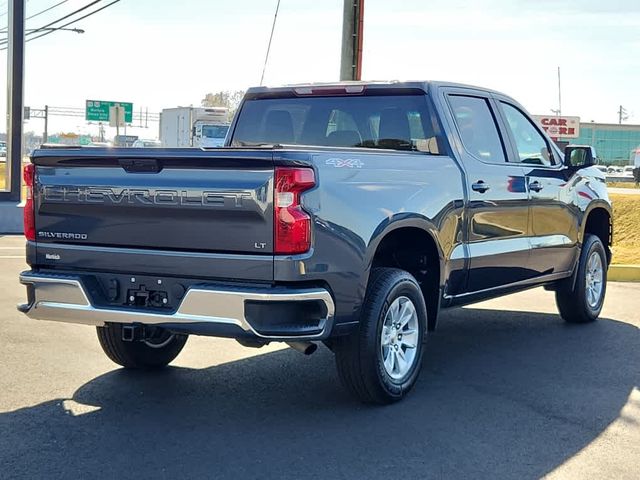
<point x="565" y="127"/>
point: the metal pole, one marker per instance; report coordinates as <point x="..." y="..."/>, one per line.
<point x="346" y="57"/>
<point x="117" y="139"/>
<point x="45" y="137"/>
<point x="352" y="27"/>
<point x="273" y="27"/>
<point x="559" y="95"/>
<point x="15" y="95"/>
<point x="359" y="40"/>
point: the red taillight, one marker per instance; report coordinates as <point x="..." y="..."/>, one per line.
<point x="29" y="213"/>
<point x="292" y="225"/>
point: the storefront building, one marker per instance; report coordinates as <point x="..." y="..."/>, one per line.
<point x="614" y="143"/>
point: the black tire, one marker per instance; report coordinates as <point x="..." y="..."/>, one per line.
<point x="157" y="352"/>
<point x="359" y="356"/>
<point x="571" y="297"/>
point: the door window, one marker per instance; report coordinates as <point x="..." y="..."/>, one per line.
<point x="477" y="128"/>
<point x="532" y="147"/>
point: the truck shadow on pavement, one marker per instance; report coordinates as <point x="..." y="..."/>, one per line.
<point x="501" y="395"/>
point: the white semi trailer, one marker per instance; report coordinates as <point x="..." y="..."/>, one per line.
<point x="193" y="126"/>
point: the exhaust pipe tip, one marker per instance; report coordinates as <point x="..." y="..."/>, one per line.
<point x="306" y="348"/>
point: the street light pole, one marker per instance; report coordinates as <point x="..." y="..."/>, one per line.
<point x="15" y="95"/>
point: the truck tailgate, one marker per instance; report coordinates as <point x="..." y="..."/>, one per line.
<point x="170" y="200"/>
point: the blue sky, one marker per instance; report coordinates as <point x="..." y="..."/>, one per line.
<point x="163" y="53"/>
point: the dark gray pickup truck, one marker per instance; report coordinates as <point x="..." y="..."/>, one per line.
<point x="347" y="214"/>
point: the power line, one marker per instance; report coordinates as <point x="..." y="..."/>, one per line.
<point x="80" y="112"/>
<point x="48" y="31"/>
<point x="76" y="20"/>
<point x="7" y="12"/>
<point x="68" y="15"/>
<point x="39" y="13"/>
<point x="55" y="21"/>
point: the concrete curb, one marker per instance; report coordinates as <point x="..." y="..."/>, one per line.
<point x="624" y="273"/>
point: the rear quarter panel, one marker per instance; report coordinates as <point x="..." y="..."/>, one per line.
<point x="360" y="197"/>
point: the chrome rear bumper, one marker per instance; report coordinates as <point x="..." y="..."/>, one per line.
<point x="64" y="298"/>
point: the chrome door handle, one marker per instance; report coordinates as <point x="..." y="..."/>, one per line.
<point x="535" y="186"/>
<point x="480" y="186"/>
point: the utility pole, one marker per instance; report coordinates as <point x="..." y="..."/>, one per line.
<point x="622" y="114"/>
<point x="15" y="96"/>
<point x="352" y="30"/>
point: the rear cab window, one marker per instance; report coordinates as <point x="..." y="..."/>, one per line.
<point x="370" y="120"/>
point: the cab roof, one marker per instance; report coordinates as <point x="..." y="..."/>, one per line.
<point x="425" y="85"/>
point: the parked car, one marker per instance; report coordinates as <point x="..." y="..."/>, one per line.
<point x="3" y="149"/>
<point x="348" y="214"/>
<point x="140" y="143"/>
<point x="628" y="171"/>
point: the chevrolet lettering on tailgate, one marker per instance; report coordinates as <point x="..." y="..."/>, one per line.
<point x="120" y="196"/>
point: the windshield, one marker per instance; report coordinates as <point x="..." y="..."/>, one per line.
<point x="214" y="131"/>
<point x="400" y="122"/>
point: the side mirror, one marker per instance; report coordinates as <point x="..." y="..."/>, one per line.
<point x="580" y="156"/>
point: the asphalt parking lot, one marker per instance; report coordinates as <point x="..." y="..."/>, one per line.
<point x="507" y="391"/>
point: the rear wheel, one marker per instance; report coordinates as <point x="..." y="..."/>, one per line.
<point x="157" y="350"/>
<point x="380" y="362"/>
<point x="581" y="301"/>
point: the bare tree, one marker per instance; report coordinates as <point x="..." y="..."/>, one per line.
<point x="228" y="98"/>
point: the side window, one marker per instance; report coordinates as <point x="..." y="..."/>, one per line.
<point x="477" y="128"/>
<point x="531" y="145"/>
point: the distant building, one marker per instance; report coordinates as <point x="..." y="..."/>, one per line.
<point x="614" y="143"/>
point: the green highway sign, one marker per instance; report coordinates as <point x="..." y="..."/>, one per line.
<point x="98" y="110"/>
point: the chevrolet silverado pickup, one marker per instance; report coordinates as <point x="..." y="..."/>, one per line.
<point x="347" y="214"/>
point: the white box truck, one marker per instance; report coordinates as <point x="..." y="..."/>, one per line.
<point x="193" y="126"/>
